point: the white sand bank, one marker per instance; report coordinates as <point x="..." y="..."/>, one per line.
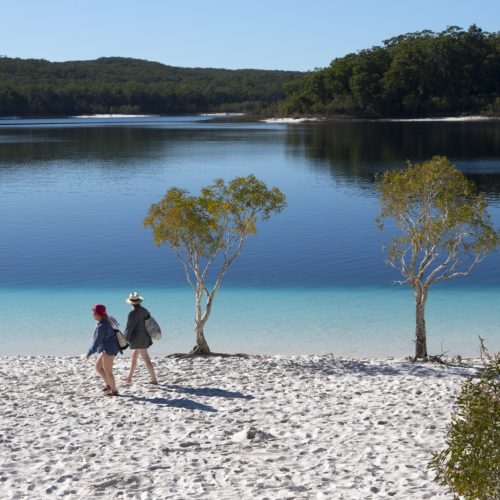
<point x="115" y="116"/>
<point x="221" y="114"/>
<point x="238" y="428"/>
<point x="290" y="120"/>
<point x="443" y="119"/>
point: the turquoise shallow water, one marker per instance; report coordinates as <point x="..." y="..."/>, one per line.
<point x="73" y="194"/>
<point x="346" y="321"/>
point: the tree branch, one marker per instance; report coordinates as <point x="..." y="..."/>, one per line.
<point x="448" y="276"/>
<point x="186" y="270"/>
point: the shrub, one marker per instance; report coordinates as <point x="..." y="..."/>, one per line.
<point x="470" y="463"/>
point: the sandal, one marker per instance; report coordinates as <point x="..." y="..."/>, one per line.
<point x="111" y="393"/>
<point x="106" y="388"/>
<point x="153" y="382"/>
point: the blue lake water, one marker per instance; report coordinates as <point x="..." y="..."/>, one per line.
<point x="73" y="194"/>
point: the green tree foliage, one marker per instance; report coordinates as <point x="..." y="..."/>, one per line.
<point x="31" y="87"/>
<point x="445" y="229"/>
<point x="208" y="231"/>
<point x="417" y="74"/>
<point x="469" y="465"/>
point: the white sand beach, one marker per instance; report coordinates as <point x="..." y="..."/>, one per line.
<point x="275" y="427"/>
<point x="443" y="119"/>
<point x="290" y="120"/>
<point x="221" y="114"/>
<point x="114" y="115"/>
<point x="437" y="119"/>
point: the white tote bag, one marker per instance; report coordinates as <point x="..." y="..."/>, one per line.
<point x="153" y="328"/>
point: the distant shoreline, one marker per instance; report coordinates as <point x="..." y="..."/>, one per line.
<point x="263" y="118"/>
<point x="326" y="119"/>
<point x="443" y="119"/>
<point x="113" y="115"/>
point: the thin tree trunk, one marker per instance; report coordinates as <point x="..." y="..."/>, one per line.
<point x="202" y="317"/>
<point x="201" y="343"/>
<point x="201" y="346"/>
<point x="420" y="332"/>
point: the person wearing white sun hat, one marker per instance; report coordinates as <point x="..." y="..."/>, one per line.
<point x="138" y="337"/>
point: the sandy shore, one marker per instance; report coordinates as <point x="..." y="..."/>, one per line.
<point x="290" y="120"/>
<point x="310" y="427"/>
<point x="444" y="119"/>
<point x="350" y="118"/>
<point x="114" y="115"/>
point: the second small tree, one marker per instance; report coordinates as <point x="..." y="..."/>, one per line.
<point x="208" y="231"/>
<point x="445" y="228"/>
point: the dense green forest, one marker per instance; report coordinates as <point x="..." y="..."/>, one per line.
<point x="454" y="72"/>
<point x="32" y="87"/>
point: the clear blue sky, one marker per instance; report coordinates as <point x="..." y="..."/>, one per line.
<point x="267" y="34"/>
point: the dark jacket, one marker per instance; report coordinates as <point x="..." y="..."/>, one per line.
<point x="104" y="339"/>
<point x="135" y="331"/>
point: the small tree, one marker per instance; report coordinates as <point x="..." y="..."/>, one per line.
<point x="470" y="463"/>
<point x="445" y="227"/>
<point x="209" y="230"/>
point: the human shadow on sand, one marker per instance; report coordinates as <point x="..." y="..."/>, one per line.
<point x="210" y="392"/>
<point x="187" y="404"/>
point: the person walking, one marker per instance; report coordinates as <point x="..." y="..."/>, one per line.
<point x="138" y="337"/>
<point x="105" y="344"/>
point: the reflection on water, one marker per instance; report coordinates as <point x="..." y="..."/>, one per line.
<point x="355" y="151"/>
<point x="124" y="143"/>
<point x="103" y="140"/>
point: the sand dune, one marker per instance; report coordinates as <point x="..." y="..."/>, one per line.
<point x="260" y="427"/>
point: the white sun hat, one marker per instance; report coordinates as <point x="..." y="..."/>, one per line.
<point x="134" y="298"/>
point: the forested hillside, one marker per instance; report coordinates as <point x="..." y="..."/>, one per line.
<point x="454" y="72"/>
<point x="30" y="87"/>
<point x="418" y="74"/>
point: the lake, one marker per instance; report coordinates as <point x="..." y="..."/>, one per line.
<point x="74" y="192"/>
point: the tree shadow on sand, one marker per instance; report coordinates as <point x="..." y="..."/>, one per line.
<point x="338" y="366"/>
<point x="209" y="392"/>
<point x="186" y="404"/>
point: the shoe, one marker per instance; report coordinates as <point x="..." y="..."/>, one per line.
<point x="153" y="382"/>
<point x="111" y="393"/>
<point x="106" y="388"/>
